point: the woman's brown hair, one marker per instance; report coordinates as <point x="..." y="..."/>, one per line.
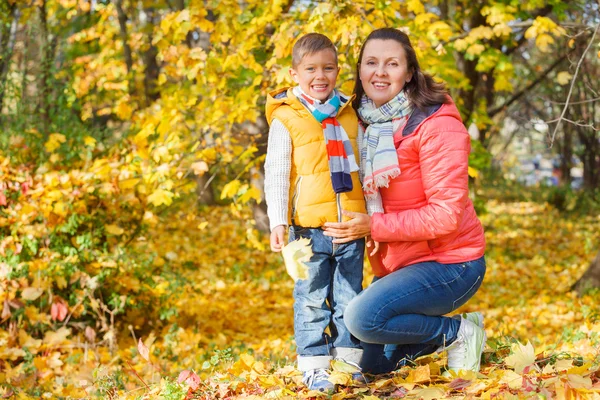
<point x="422" y="90"/>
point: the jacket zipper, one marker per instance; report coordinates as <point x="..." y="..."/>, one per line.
<point x="296" y="197"/>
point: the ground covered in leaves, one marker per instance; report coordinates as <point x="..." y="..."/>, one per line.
<point x="224" y="330"/>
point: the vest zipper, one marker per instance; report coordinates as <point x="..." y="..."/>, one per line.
<point x="339" y="207"/>
<point x="296" y="197"/>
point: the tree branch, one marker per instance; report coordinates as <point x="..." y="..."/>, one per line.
<point x="518" y="95"/>
<point x="572" y="85"/>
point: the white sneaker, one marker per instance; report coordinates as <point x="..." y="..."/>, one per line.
<point x="465" y="352"/>
<point x="318" y="379"/>
<point x="474" y="317"/>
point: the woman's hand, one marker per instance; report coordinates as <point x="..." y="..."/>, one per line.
<point x="372" y="246"/>
<point x="357" y="227"/>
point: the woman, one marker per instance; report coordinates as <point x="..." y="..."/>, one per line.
<point x="427" y="245"/>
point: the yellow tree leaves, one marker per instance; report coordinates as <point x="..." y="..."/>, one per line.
<point x="542" y="29"/>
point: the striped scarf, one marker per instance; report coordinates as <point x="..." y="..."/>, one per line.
<point x="379" y="161"/>
<point x="339" y="150"/>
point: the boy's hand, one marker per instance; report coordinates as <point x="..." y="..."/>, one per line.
<point x="278" y="238"/>
<point x="373" y="245"/>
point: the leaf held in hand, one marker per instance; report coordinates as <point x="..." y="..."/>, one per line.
<point x="295" y="255"/>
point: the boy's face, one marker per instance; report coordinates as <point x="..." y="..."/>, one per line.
<point x="316" y="74"/>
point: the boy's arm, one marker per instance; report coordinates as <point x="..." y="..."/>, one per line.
<point x="278" y="164"/>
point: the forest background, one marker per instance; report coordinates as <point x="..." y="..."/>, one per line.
<point x="133" y="256"/>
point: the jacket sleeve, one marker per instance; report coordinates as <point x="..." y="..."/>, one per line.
<point x="443" y="160"/>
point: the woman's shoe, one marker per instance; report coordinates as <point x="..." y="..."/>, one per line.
<point x="465" y="352"/>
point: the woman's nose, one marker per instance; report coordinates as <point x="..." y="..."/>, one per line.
<point x="380" y="71"/>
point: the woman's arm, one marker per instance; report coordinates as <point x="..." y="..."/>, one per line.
<point x="443" y="160"/>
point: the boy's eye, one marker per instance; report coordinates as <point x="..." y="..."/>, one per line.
<point x="310" y="69"/>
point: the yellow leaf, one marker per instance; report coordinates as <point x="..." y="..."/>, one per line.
<point x="521" y="357"/>
<point x="114" y="230"/>
<point x="419" y="374"/>
<point x="31" y="293"/>
<point x="340" y="378"/>
<point x="563" y="78"/>
<point x="430" y="393"/>
<point x="512" y="379"/>
<point x="54" y="141"/>
<point x="203" y="225"/>
<point x="543" y="42"/>
<point x="89" y="141"/>
<point x="415" y="6"/>
<point x="295" y="254"/>
<point x="475" y="49"/>
<point x="199" y="167"/>
<point x="230" y="189"/>
<point x="58" y="337"/>
<point x="341" y="366"/>
<point x="473" y="173"/>
<point x="161" y="196"/>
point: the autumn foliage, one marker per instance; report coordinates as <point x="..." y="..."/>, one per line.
<point x="116" y="283"/>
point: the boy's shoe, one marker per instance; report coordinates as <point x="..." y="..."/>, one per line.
<point x="465" y="352"/>
<point x="357" y="376"/>
<point x="318" y="379"/>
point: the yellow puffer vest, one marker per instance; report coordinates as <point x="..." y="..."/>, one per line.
<point x="312" y="199"/>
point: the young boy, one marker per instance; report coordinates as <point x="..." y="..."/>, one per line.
<point x="311" y="175"/>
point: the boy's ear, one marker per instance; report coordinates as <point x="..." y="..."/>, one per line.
<point x="294" y="74"/>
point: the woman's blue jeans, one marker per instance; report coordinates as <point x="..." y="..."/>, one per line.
<point x="401" y="316"/>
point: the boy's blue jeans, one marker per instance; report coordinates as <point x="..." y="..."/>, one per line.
<point x="335" y="273"/>
<point x="401" y="316"/>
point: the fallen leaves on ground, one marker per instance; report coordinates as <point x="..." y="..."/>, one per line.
<point x="228" y="334"/>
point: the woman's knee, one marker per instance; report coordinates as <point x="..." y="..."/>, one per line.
<point x="358" y="320"/>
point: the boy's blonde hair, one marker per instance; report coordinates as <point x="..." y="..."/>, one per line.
<point x="310" y="44"/>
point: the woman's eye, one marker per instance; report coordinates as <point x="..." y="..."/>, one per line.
<point x="393" y="64"/>
<point x="370" y="62"/>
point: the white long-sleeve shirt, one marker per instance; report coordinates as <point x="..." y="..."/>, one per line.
<point x="278" y="164"/>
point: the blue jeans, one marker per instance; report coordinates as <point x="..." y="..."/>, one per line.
<point x="400" y="317"/>
<point x="335" y="273"/>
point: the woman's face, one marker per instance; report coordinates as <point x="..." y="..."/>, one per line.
<point x="383" y="70"/>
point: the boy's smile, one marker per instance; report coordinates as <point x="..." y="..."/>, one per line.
<point x="316" y="74"/>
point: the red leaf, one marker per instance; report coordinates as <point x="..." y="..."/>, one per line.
<point x="143" y="350"/>
<point x="190" y="379"/>
<point x="2" y="199"/>
<point x="58" y="311"/>
<point x="459" y="384"/>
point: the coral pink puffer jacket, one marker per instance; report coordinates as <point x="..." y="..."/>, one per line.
<point x="428" y="214"/>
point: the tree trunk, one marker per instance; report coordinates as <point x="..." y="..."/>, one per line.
<point x="566" y="157"/>
<point x="7" y="44"/>
<point x="125" y="39"/>
<point x="590" y="279"/>
<point x="45" y="69"/>
<point x="257" y="178"/>
<point x="152" y="69"/>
